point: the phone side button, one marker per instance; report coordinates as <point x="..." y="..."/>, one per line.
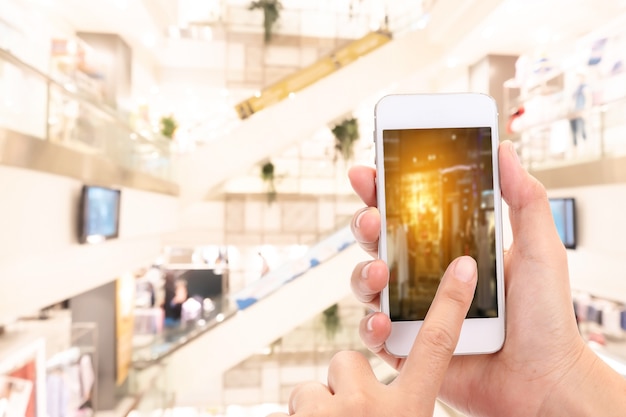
<point x="374" y="140"/>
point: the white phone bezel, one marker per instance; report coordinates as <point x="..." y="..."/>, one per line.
<point x="450" y="110"/>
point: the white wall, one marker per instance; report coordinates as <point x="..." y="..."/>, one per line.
<point x="597" y="264"/>
<point x="41" y="261"/>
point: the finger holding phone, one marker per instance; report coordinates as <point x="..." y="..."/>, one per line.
<point x="353" y="389"/>
<point x="544" y="367"/>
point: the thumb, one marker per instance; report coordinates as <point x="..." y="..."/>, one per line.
<point x="534" y="231"/>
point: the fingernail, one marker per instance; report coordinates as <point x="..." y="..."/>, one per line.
<point x="357" y="222"/>
<point x="370" y="324"/>
<point x="514" y="152"/>
<point x="464" y="269"/>
<point x="365" y="270"/>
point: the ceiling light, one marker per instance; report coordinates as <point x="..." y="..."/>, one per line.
<point x="452" y="62"/>
<point x="206" y="33"/>
<point x="422" y="22"/>
<point x="173" y="32"/>
<point x="70" y="87"/>
<point x="149" y="40"/>
<point x="292" y="95"/>
<point x="121" y="4"/>
<point x="72" y="47"/>
<point x="542" y="36"/>
<point x="374" y="26"/>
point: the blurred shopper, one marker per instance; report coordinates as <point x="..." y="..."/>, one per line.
<point x="265" y="267"/>
<point x="175" y="295"/>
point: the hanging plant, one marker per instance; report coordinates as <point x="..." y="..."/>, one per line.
<point x="168" y="126"/>
<point x="271" y="13"/>
<point x="331" y="321"/>
<point x="267" y="175"/>
<point x="346" y="134"/>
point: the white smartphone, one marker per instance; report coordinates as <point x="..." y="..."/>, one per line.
<point x="439" y="198"/>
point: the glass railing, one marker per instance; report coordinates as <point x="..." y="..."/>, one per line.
<point x="162" y="341"/>
<point x="309" y="22"/>
<point x="35" y="105"/>
<point x="564" y="138"/>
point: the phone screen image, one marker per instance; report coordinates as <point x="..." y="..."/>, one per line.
<point x="439" y="198"/>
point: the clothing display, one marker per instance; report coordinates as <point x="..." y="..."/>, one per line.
<point x="69" y="381"/>
<point x="611" y="320"/>
<point x="609" y="316"/>
<point x="562" y="101"/>
<point x="14" y="396"/>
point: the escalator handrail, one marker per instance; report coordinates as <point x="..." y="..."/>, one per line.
<point x="273" y="281"/>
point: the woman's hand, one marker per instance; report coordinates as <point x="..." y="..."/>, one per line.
<point x="543" y="350"/>
<point x="353" y="389"/>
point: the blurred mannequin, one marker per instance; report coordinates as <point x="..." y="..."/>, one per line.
<point x="581" y="101"/>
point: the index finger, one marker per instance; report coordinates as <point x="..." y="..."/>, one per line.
<point x="425" y="367"/>
<point x="363" y="181"/>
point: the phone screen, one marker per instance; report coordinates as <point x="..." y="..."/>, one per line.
<point x="439" y="205"/>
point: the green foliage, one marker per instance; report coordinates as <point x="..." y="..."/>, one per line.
<point x="267" y="171"/>
<point x="267" y="175"/>
<point x="332" y="322"/>
<point x="168" y="126"/>
<point x="346" y="134"/>
<point x="271" y="14"/>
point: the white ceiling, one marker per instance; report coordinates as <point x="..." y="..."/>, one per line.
<point x="520" y="26"/>
<point x="515" y="27"/>
<point x="145" y="24"/>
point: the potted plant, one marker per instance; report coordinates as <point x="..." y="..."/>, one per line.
<point x="168" y="126"/>
<point x="346" y="134"/>
<point x="332" y="322"/>
<point x="271" y="13"/>
<point x="267" y="175"/>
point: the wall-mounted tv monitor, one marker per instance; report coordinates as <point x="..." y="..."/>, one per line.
<point x="99" y="214"/>
<point x="564" y="214"/>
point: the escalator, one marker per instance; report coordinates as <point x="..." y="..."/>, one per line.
<point x="270" y="131"/>
<point x="254" y="318"/>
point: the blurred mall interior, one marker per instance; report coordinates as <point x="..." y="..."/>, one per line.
<point x="174" y="228"/>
